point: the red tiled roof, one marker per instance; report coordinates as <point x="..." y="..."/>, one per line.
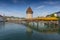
<point x="29" y="10"/>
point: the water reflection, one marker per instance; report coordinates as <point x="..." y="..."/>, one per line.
<point x="11" y="31"/>
<point x="2" y="24"/>
<point x="29" y="32"/>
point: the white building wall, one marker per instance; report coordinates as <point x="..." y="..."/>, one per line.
<point x="29" y="15"/>
<point x="58" y="14"/>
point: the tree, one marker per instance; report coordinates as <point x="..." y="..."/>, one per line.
<point x="52" y="15"/>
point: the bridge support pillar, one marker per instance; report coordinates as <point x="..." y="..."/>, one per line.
<point x="33" y="24"/>
<point x="54" y="24"/>
<point x="49" y="24"/>
<point x="37" y="25"/>
<point x="59" y="25"/>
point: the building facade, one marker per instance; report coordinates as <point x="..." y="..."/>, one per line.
<point x="1" y="18"/>
<point x="57" y="13"/>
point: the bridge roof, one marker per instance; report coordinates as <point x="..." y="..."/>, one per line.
<point x="43" y="19"/>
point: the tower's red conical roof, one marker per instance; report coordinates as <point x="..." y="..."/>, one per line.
<point x="29" y="10"/>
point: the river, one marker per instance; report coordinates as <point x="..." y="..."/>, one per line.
<point x="11" y="31"/>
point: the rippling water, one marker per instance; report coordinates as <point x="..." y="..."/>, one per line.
<point x="11" y="31"/>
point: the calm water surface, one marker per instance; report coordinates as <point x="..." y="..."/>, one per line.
<point x="11" y="31"/>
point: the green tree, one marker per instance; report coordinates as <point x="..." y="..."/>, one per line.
<point x="52" y="15"/>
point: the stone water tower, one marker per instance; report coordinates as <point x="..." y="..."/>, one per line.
<point x="29" y="13"/>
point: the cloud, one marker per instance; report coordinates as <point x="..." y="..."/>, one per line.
<point x="41" y="14"/>
<point x="3" y="4"/>
<point x="44" y="13"/>
<point x="14" y="1"/>
<point x="14" y="14"/>
<point x="51" y="2"/>
<point x="39" y="7"/>
<point x="19" y="1"/>
<point x="1" y="13"/>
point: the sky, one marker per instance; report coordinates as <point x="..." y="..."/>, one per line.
<point x="18" y="8"/>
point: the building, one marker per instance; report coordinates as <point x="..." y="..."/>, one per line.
<point x="29" y="13"/>
<point x="1" y="18"/>
<point x="57" y="13"/>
